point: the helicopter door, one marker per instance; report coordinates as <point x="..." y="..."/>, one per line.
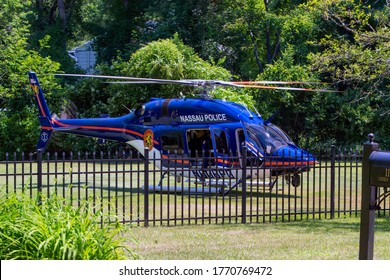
<point x="254" y="153"/>
<point x="221" y="145"/>
<point x="200" y="146"/>
<point x="240" y="140"/>
<point x="240" y="143"/>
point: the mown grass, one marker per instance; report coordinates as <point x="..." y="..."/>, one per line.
<point x="336" y="239"/>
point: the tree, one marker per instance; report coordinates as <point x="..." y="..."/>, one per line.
<point x="246" y="33"/>
<point x="294" y="107"/>
<point x="18" y="114"/>
<point x="356" y="56"/>
<point x="360" y="55"/>
<point x="165" y="59"/>
<point x="117" y="28"/>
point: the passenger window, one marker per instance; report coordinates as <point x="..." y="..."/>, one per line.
<point x="172" y="143"/>
<point x="199" y="142"/>
<point x="200" y="147"/>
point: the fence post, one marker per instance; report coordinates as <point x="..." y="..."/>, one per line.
<point x="332" y="181"/>
<point x="243" y="185"/>
<point x="146" y="187"/>
<point x="367" y="213"/>
<point x="39" y="175"/>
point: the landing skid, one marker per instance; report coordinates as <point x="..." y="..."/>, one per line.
<point x="208" y="187"/>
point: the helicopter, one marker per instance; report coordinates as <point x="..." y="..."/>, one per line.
<point x="181" y="130"/>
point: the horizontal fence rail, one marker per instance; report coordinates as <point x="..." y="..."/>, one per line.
<point x="133" y="189"/>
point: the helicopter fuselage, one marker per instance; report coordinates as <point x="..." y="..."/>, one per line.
<point x="191" y="133"/>
<point x="184" y="130"/>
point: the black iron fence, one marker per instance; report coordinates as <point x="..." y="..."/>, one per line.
<point x="132" y="188"/>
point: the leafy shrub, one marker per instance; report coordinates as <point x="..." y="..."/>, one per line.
<point x="52" y="229"/>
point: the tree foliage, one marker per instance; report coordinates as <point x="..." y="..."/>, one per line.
<point x="342" y="42"/>
<point x="19" y="125"/>
<point x="357" y="58"/>
<point x="164" y="59"/>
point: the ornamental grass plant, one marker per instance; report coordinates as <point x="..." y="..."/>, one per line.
<point x="51" y="229"/>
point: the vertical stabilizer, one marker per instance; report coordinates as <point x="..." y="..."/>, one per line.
<point x="44" y="112"/>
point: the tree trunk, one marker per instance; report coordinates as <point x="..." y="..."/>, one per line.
<point x="267" y="36"/>
<point x="62" y="13"/>
<point x="39" y="4"/>
<point x="256" y="53"/>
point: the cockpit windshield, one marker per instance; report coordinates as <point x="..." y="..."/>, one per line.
<point x="281" y="133"/>
<point x="269" y="137"/>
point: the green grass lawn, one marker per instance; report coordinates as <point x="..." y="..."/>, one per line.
<point x="336" y="239"/>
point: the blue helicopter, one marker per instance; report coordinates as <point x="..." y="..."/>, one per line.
<point x="192" y="132"/>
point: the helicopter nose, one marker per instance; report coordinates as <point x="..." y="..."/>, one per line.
<point x="295" y="154"/>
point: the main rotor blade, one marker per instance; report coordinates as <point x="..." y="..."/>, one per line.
<point x="134" y="79"/>
<point x="201" y="83"/>
<point x="133" y="82"/>
<point x="277" y="83"/>
<point x="196" y="83"/>
<point x="290" y="88"/>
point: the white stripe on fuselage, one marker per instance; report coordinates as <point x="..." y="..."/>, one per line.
<point x="153" y="153"/>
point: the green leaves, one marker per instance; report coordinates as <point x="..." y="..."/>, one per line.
<point x="357" y="55"/>
<point x="165" y="59"/>
<point x="54" y="230"/>
<point x="346" y="43"/>
<point x="20" y="127"/>
<point x="159" y="59"/>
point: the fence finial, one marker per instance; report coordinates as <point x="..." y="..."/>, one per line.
<point x="371" y="137"/>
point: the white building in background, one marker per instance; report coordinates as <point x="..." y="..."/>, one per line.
<point x="84" y="56"/>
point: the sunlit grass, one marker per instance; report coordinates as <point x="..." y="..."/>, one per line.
<point x="336" y="239"/>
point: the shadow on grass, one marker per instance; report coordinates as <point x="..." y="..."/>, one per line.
<point x="382" y="224"/>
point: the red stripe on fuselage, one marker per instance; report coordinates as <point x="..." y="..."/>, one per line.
<point x="224" y="161"/>
<point x="123" y="130"/>
<point x="183" y="161"/>
<point x="289" y="163"/>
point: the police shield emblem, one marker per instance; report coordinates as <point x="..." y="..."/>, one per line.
<point x="148" y="139"/>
